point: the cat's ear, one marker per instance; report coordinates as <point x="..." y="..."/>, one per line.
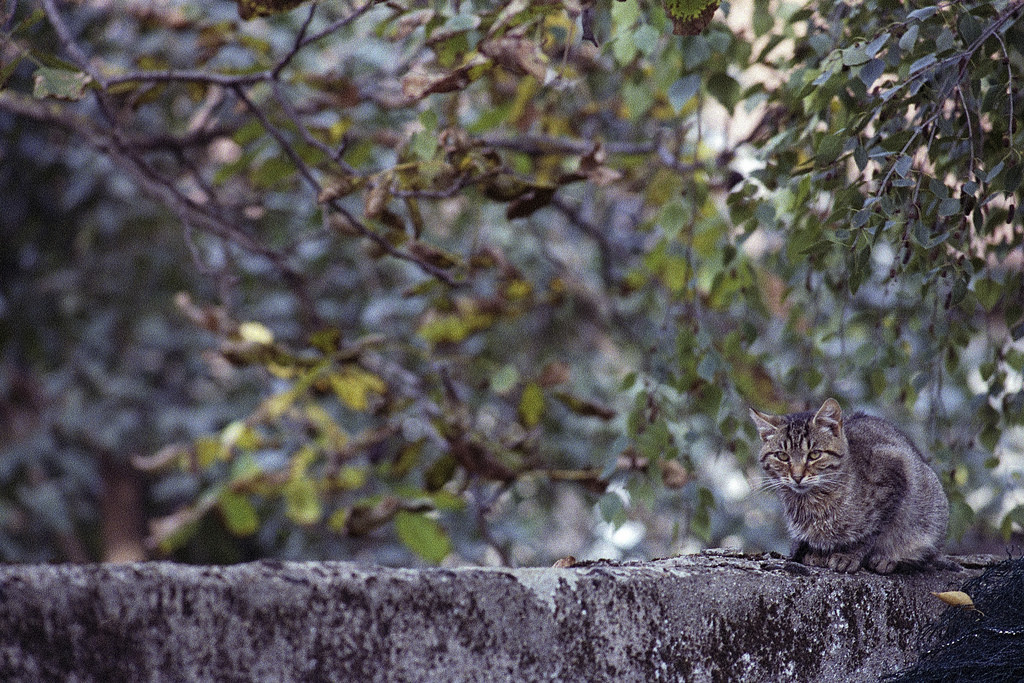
<point x="830" y="416"/>
<point x="766" y="424"/>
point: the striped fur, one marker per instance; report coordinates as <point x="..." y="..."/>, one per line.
<point x="856" y="491"/>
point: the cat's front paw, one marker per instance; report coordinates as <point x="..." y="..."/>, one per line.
<point x="844" y="562"/>
<point x="812" y="558"/>
<point x="881" y="564"/>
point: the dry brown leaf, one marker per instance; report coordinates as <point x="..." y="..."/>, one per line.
<point x="958" y="599"/>
<point x="421" y="81"/>
<point x="673" y="474"/>
<point x="412" y="21"/>
<point x="517" y="54"/>
<point x="376" y="197"/>
<point x="555" y="372"/>
<point x="249" y="9"/>
<point x="162" y="459"/>
<point x="340" y="186"/>
<point x="433" y="255"/>
<point x="593" y="167"/>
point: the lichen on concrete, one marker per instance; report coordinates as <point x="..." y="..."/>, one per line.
<point x="717" y="616"/>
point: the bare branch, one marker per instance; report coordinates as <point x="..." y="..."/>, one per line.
<point x="306" y="172"/>
<point x="541" y="144"/>
<point x="232" y="80"/>
<point x="160" y="188"/>
<point x="68" y="41"/>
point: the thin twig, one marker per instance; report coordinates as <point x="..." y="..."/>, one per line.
<point x="970" y="129"/>
<point x="290" y="111"/>
<point x="604" y="247"/>
<point x="917" y="130"/>
<point x="149" y="180"/>
<point x="231" y="80"/>
<point x="1009" y="86"/>
<point x="482" y="510"/>
<point x="68" y="42"/>
<point x="297" y="45"/>
<point x="306" y="172"/>
<point x="190" y="76"/>
<point x="543" y="144"/>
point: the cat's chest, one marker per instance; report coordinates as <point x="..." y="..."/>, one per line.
<point x="821" y="521"/>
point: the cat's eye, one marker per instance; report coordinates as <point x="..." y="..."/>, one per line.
<point x="782" y="457"/>
<point x="814" y="455"/>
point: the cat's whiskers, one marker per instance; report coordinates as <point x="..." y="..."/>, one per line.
<point x="769" y="484"/>
<point x="836" y="476"/>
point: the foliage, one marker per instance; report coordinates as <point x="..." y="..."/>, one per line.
<point x="480" y="267"/>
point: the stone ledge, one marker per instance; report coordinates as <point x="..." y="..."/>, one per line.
<point x="716" y="616"/>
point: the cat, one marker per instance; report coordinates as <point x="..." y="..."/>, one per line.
<point x="857" y="492"/>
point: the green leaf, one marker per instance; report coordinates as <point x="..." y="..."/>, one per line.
<point x="423" y="535"/>
<point x="695" y="51"/>
<point x="611" y="508"/>
<point x="969" y="27"/>
<point x="208" y="450"/>
<point x="459" y="22"/>
<point x="302" y="502"/>
<point x="923" y="13"/>
<point x="531" y="405"/>
<point x="452" y="327"/>
<point x="829" y="148"/>
<point x="338" y="520"/>
<point x="994" y="173"/>
<point x="272" y="172"/>
<point x="673" y="217"/>
<point x="350" y="478"/>
<point x="353" y="386"/>
<point x="852" y="56"/>
<point x="505" y="379"/>
<point x="989" y="437"/>
<point x="870" y="72"/>
<point x="60" y="83"/>
<point x="1015" y="517"/>
<point x="440" y="473"/>
<point x="949" y="207"/>
<point x="654" y="441"/>
<point x="682" y="91"/>
<point x="646" y="39"/>
<point x="961" y="515"/>
<point x="725" y="89"/>
<point x="872" y="48"/>
<point x="908" y="39"/>
<point x="763" y="21"/>
<point x="902" y="166"/>
<point x="637" y="97"/>
<point x="7" y="70"/>
<point x="922" y="64"/>
<point x="945" y="42"/>
<point x="700" y="523"/>
<point x="988" y="292"/>
<point x="423" y="144"/>
<point x="239" y="514"/>
<point x="28" y="22"/>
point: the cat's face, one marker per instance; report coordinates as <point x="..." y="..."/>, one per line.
<point x="803" y="451"/>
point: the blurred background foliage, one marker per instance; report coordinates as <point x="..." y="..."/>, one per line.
<point x="481" y="282"/>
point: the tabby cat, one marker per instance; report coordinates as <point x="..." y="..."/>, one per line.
<point x="857" y="492"/>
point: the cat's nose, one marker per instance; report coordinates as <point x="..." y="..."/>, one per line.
<point x="797" y="476"/>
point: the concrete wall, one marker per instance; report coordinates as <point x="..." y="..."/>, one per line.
<point x="711" y="617"/>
